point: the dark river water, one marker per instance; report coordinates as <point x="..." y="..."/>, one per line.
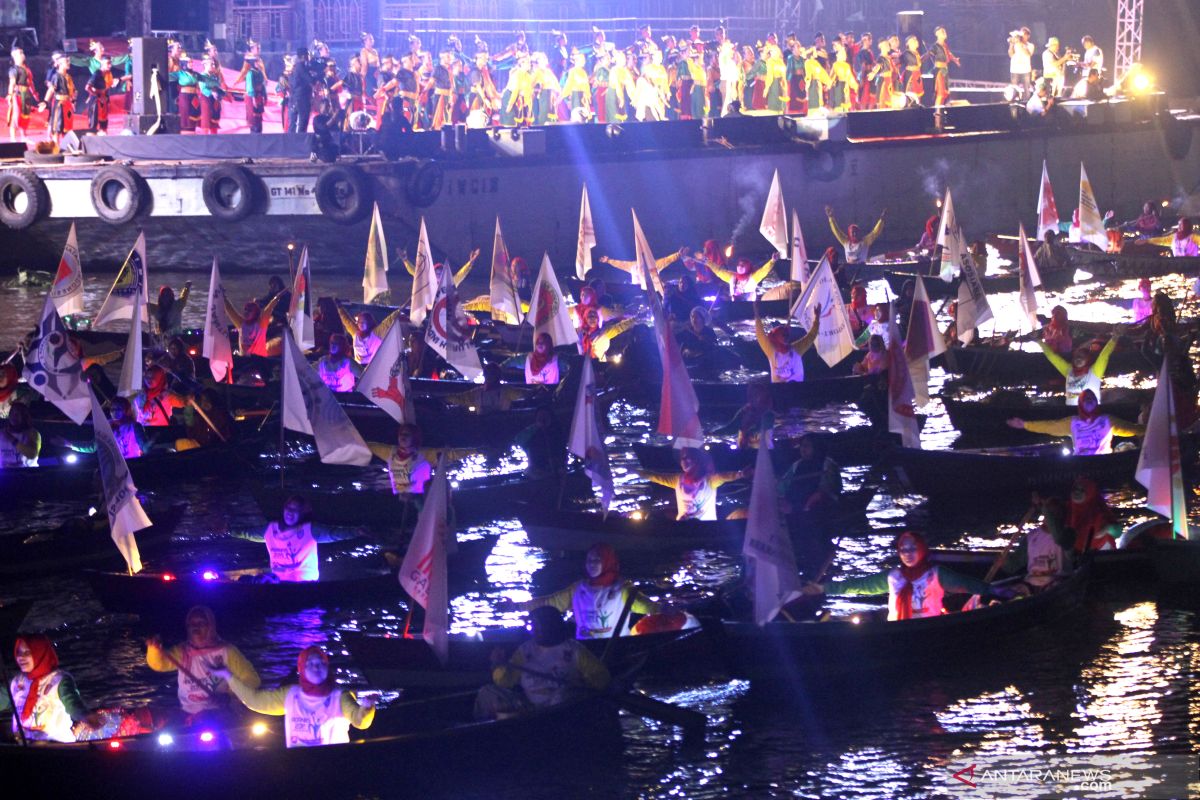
<point x="1111" y="690"/>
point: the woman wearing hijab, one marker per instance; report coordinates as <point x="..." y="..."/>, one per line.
<point x="1056" y="336"/>
<point x="167" y="313"/>
<point x="20" y="442"/>
<point x="1184" y="244"/>
<point x="785" y="358"/>
<point x="696" y="486"/>
<point x="292" y="542"/>
<point x="49" y="704"/>
<point x="156" y="402"/>
<point x="130" y="436"/>
<point x="1085" y="370"/>
<point x="541" y="365"/>
<point x="10" y="388"/>
<point x="1091" y="432"/>
<point x="1094" y="523"/>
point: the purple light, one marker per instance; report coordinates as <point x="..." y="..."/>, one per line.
<point x="209" y="575"/>
<point x="207" y="737"/>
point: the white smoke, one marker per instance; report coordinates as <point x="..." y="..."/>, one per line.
<point x="751" y="187"/>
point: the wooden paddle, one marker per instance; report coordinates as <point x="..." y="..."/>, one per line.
<point x="207" y="421"/>
<point x="188" y="673"/>
<point x="999" y="562"/>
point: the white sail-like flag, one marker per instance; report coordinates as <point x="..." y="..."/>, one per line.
<point x="300" y="310"/>
<point x="423" y="573"/>
<point x="1091" y="224"/>
<point x="125" y="513"/>
<point x="902" y="417"/>
<point x="130" y="279"/>
<point x="648" y="264"/>
<point x="502" y="292"/>
<point x="375" y="267"/>
<point x="548" y="311"/>
<point x="447" y="333"/>
<point x="950" y="237"/>
<point x="54" y="366"/>
<point x="586" y="441"/>
<point x="835" y="340"/>
<point x="773" y="226"/>
<point x="310" y="407"/>
<point x="67" y="289"/>
<point x="217" y="348"/>
<point x="1160" y="466"/>
<point x="586" y="239"/>
<point x="385" y="380"/>
<point x="799" y="254"/>
<point x="767" y="548"/>
<point x="1046" y="209"/>
<point x="972" y="309"/>
<point x="425" y="284"/>
<point x="1029" y="280"/>
<point x="924" y="342"/>
<point x="131" y="363"/>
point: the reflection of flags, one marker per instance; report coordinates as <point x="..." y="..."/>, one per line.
<point x="587" y="237"/>
<point x="424" y="288"/>
<point x="423" y="572"/>
<point x="217" y="347"/>
<point x="1029" y="279"/>
<point x="447" y="332"/>
<point x="125" y="513"/>
<point x="834" y="340"/>
<point x="67" y="289"/>
<point x="385" y="380"/>
<point x="902" y="419"/>
<point x="1091" y="226"/>
<point x="973" y="308"/>
<point x="799" y="252"/>
<point x="924" y="341"/>
<point x="774" y="220"/>
<point x="586" y="441"/>
<point x="1047" y="211"/>
<point x="502" y="293"/>
<point x="376" y="266"/>
<point x="53" y="367"/>
<point x="1159" y="466"/>
<point x="131" y="278"/>
<point x="131" y="364"/>
<point x="300" y="309"/>
<point x="310" y="407"/>
<point x="548" y="311"/>
<point x="767" y="547"/>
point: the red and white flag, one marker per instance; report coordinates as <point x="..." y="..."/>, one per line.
<point x="644" y="257"/>
<point x="1029" y="280"/>
<point x="447" y="333"/>
<point x="130" y="382"/>
<point x="425" y="283"/>
<point x="774" y="220"/>
<point x="548" y="310"/>
<point x="1047" y="211"/>
<point x="586" y="440"/>
<point x="586" y="239"/>
<point x="423" y="573"/>
<point x="1160" y="467"/>
<point x="300" y="308"/>
<point x="125" y="513"/>
<point x="834" y="340"/>
<point x="375" y="267"/>
<point x="217" y="347"/>
<point x="67" y="289"/>
<point x="924" y="342"/>
<point x="310" y="407"/>
<point x="131" y="279"/>
<point x="502" y="291"/>
<point x="385" y="380"/>
<point x="902" y="417"/>
<point x="767" y="548"/>
<point x="1091" y="224"/>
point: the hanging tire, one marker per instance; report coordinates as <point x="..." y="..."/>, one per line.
<point x="824" y="165"/>
<point x="228" y="192"/>
<point x="343" y="194"/>
<point x="117" y="194"/>
<point x="425" y="185"/>
<point x="23" y="199"/>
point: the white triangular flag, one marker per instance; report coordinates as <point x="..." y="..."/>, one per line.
<point x="923" y="342"/>
<point x="835" y="340"/>
<point x="548" y="310"/>
<point x="130" y="279"/>
<point x="310" y="407"/>
<point x="385" y="380"/>
<point x="375" y="268"/>
<point x="950" y="237"/>
<point x="54" y="367"/>
<point x="1029" y="279"/>
<point x="586" y="440"/>
<point x="1047" y="210"/>
<point x="767" y="548"/>
<point x="902" y="418"/>
<point x="217" y="347"/>
<point x="1091" y="225"/>
<point x="586" y="239"/>
<point x="125" y="513"/>
<point x="972" y="309"/>
<point x="643" y="254"/>
<point x="425" y="284"/>
<point x="67" y="289"/>
<point x="300" y="309"/>
<point x="799" y="252"/>
<point x="1160" y="467"/>
<point x="502" y="291"/>
<point x="131" y="364"/>
<point x="774" y="219"/>
<point x="447" y="333"/>
<point x="423" y="572"/>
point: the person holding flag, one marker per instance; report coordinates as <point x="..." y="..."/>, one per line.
<point x="128" y="433"/>
<point x="308" y="406"/>
<point x="785" y="359"/>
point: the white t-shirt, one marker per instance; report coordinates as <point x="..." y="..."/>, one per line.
<point x="1021" y="60"/>
<point x="1093" y="58"/>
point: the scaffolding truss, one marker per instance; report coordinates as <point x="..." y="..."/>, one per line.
<point x="1129" y="37"/>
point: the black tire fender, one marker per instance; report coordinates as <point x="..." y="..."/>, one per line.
<point x="425" y="184"/>
<point x="824" y="164"/>
<point x="343" y="194"/>
<point x="229" y="192"/>
<point x="118" y="194"/>
<point x="23" y="198"/>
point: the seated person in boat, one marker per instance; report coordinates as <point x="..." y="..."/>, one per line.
<point x="859" y="311"/>
<point x="595" y="338"/>
<point x="202" y="695"/>
<point x="207" y="422"/>
<point x="541" y="365"/>
<point x="336" y="368"/>
<point x="549" y="669"/>
<point x="545" y="445"/>
<point x="1143" y="304"/>
<point x="748" y="421"/>
<point x="314" y="710"/>
<point x="697" y="341"/>
<point x="1050" y="256"/>
<point x="928" y="239"/>
<point x="292" y="542"/>
<point x="1056" y="335"/>
<point x="1086" y="368"/>
<point x="1091" y="432"/>
<point x="785" y="358"/>
<point x="20" y="442"/>
<point x="743" y="279"/>
<point x="878" y="326"/>
<point x="1089" y="517"/>
<point x="813" y="483"/>
<point x="253" y="325"/>
<point x="659" y="263"/>
<point x="696" y="487"/>
<point x="915" y="589"/>
<point x="1045" y="552"/>
<point x="681" y="298"/>
<point x="365" y="333"/>
<point x="130" y="436"/>
<point x="11" y="389"/>
<point x="1148" y="223"/>
<point x="409" y="465"/>
<point x="1183" y="243"/>
<point x="156" y="402"/>
<point x="180" y="366"/>
<point x="856" y="245"/>
<point x="490" y="397"/>
<point x="49" y="705"/>
<point x="596" y="600"/>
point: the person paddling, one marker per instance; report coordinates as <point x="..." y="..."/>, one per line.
<point x="292" y="542"/>
<point x="49" y="705"/>
<point x="1091" y="432"/>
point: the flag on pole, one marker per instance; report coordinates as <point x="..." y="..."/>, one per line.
<point x="310" y="407"/>
<point x="131" y="364"/>
<point x="1159" y="467"/>
<point x="1047" y="211"/>
<point x="447" y="332"/>
<point x="972" y="309"/>
<point x="67" y="289"/>
<point x="644" y="256"/>
<point x="385" y="380"/>
<point x="835" y="341"/>
<point x="1091" y="225"/>
<point x="774" y="220"/>
<point x="125" y="513"/>
<point x="130" y="279"/>
<point x="1030" y="280"/>
<point x="767" y="547"/>
<point x="54" y="367"/>
<point x="423" y="572"/>
<point x="548" y="309"/>
<point x="217" y="347"/>
<point x="300" y="309"/>
<point x="799" y="252"/>
<point x="425" y="286"/>
<point x="924" y="342"/>
<point x="502" y="292"/>
<point x="902" y="417"/>
<point x="375" y="268"/>
<point x="950" y="237"/>
<point x="586" y="440"/>
<point x="587" y="238"/>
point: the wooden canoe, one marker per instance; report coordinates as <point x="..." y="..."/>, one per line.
<point x="1020" y="367"/>
<point x="986" y="419"/>
<point x="727" y="396"/>
<point x="577" y="531"/>
<point x="860" y="445"/>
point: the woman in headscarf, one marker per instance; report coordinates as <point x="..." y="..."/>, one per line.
<point x="10" y="386"/>
<point x="292" y="542"/>
<point x="130" y="436"/>
<point x="252" y="325"/>
<point x="786" y="359"/>
<point x="167" y="313"/>
<point x="541" y="365"/>
<point x="20" y="442"/>
<point x="696" y="486"/>
<point x="1085" y="370"/>
<point x="1091" y="432"/>
<point x="1056" y="335"/>
<point x="749" y="419"/>
<point x="315" y="712"/>
<point x="48" y="703"/>
<point x="1184" y="245"/>
<point x="156" y="402"/>
<point x="1094" y="523"/>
